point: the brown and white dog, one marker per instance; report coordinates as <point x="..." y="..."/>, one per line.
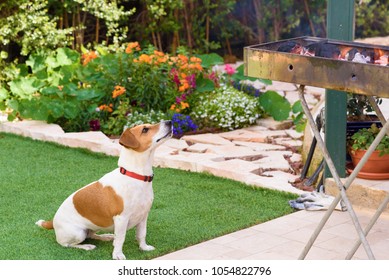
<point x="116" y="202"/>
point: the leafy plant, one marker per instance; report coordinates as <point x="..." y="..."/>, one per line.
<point x="358" y="106"/>
<point x="275" y="105"/>
<point x="136" y="118"/>
<point x="280" y="108"/>
<point x="225" y="108"/>
<point x="363" y="138"/>
<point x="102" y="87"/>
<point x="50" y="92"/>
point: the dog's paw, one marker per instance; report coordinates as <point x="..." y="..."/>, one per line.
<point x="146" y="247"/>
<point x="118" y="256"/>
<point x="86" y="247"/>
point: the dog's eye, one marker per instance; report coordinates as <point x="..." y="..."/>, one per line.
<point x="145" y="130"/>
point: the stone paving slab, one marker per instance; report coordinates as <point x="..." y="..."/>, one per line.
<point x="260" y="155"/>
<point x="237" y="155"/>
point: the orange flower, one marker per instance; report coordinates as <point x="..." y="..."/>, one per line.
<point x="184" y="66"/>
<point x="133" y="46"/>
<point x="195" y="59"/>
<point x="184" y="85"/>
<point x="183" y="58"/>
<point x="174" y="59"/>
<point x="184" y="105"/>
<point x="107" y="108"/>
<point x="145" y="58"/>
<point x="158" y="53"/>
<point x="87" y="57"/>
<point x="162" y="59"/>
<point x="119" y="90"/>
<point x="195" y="66"/>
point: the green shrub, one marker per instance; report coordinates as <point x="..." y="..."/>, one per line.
<point x="225" y="108"/>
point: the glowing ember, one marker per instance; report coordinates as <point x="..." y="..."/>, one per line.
<point x="328" y="50"/>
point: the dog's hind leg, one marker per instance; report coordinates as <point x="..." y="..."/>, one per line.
<point x="72" y="237"/>
<point x="102" y="237"/>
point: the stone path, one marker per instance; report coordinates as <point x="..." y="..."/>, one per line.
<point x="265" y="155"/>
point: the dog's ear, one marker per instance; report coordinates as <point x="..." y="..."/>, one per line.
<point x="128" y="140"/>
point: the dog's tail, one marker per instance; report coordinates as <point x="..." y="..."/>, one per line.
<point x="45" y="224"/>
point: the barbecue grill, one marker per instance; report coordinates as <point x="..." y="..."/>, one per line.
<point x="268" y="62"/>
<point x="331" y="64"/>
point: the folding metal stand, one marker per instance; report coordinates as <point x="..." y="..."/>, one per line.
<point x="343" y="187"/>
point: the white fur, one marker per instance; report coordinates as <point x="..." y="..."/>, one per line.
<point x="71" y="228"/>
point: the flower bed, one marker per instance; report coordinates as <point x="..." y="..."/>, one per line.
<point x="107" y="91"/>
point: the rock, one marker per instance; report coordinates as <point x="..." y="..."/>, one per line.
<point x="207" y="138"/>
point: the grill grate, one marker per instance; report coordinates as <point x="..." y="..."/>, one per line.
<point x="325" y="63"/>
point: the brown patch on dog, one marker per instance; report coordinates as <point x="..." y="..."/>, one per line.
<point x="139" y="138"/>
<point x="98" y="204"/>
<point x="47" y="224"/>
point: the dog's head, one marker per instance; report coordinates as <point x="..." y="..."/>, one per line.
<point x="145" y="136"/>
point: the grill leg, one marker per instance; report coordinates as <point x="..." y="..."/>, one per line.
<point x="385" y="202"/>
<point x="342" y="188"/>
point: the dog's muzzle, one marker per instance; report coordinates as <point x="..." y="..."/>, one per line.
<point x="168" y="126"/>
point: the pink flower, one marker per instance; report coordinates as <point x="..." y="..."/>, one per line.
<point x="229" y="69"/>
<point x="191" y="80"/>
<point x="176" y="79"/>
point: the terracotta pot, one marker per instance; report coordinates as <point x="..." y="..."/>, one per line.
<point x="375" y="164"/>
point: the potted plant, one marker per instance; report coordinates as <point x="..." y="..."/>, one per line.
<point x="377" y="166"/>
<point x="360" y="113"/>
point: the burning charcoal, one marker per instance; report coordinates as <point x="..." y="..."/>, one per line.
<point x="383" y="60"/>
<point x="358" y="57"/>
<point x="324" y="49"/>
<point x="290" y="47"/>
<point x="369" y="55"/>
<point x="351" y="54"/>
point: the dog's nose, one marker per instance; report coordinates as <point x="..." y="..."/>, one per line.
<point x="168" y="123"/>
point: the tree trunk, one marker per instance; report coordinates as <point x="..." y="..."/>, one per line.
<point x="154" y="39"/>
<point x="188" y="25"/>
<point x="228" y="47"/>
<point x="258" y="5"/>
<point x="97" y="30"/>
<point x="176" y="35"/>
<point x="307" y="11"/>
<point x="159" y="41"/>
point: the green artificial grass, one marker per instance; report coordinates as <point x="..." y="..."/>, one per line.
<point x="35" y="178"/>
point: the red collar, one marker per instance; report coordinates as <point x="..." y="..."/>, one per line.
<point x="136" y="175"/>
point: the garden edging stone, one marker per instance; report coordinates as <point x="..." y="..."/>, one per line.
<point x="232" y="155"/>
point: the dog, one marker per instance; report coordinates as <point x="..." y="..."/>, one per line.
<point x="118" y="201"/>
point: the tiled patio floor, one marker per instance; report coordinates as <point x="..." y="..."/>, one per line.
<point x="284" y="239"/>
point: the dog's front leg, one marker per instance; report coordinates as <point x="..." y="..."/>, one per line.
<point x="120" y="229"/>
<point x="141" y="230"/>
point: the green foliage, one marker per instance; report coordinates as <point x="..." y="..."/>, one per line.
<point x="372" y="18"/>
<point x="104" y="90"/>
<point x="298" y="116"/>
<point x="275" y="105"/>
<point x="48" y="92"/>
<point x="363" y="138"/>
<point x="209" y="60"/>
<point x="31" y="27"/>
<point x="280" y="109"/>
<point x="358" y="106"/>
